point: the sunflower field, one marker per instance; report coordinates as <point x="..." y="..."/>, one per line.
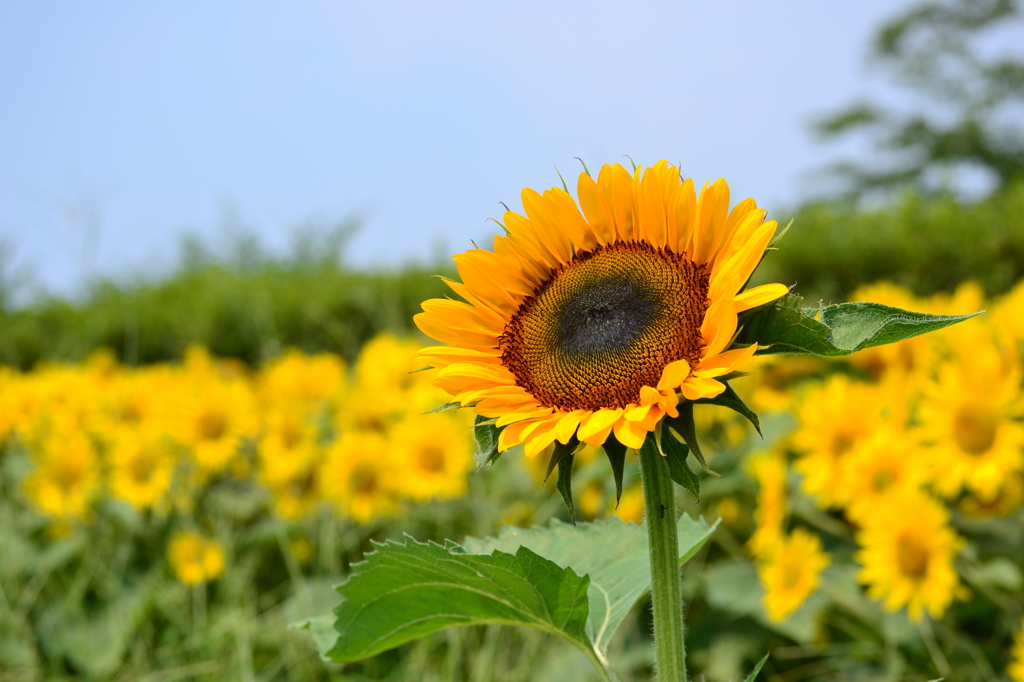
<point x="174" y="520"/>
<point x="189" y="466"/>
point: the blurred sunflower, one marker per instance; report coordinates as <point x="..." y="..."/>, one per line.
<point x="887" y="461"/>
<point x="360" y="483"/>
<point x="769" y="470"/>
<point x="791" y="573"/>
<point x="434" y="456"/>
<point x="591" y="323"/>
<point x="142" y="467"/>
<point x="194" y="558"/>
<point x="835" y="419"/>
<point x="968" y="417"/>
<point x="907" y="550"/>
<point x="1016" y="668"/>
<point x="66" y="477"/>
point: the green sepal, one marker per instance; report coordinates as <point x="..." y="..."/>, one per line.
<point x="420" y="369"/>
<point x="687" y="430"/>
<point x="785" y="326"/>
<point x="729" y="398"/>
<point x="444" y="408"/>
<point x="560" y="451"/>
<point x="486" y="435"/>
<point x="564" y="484"/>
<point x="757" y="669"/>
<point x="616" y="452"/>
<point x="678" y="470"/>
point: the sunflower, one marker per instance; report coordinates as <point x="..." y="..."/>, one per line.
<point x="792" y="573"/>
<point x="194" y="558"/>
<point x="968" y="415"/>
<point x="834" y="420"/>
<point x="1016" y="669"/>
<point x="587" y="323"/>
<point x="769" y="470"/>
<point x="907" y="554"/>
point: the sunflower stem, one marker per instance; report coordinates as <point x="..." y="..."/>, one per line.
<point x="663" y="547"/>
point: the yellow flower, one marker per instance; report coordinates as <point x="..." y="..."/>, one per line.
<point x="907" y="550"/>
<point x="66" y="477"/>
<point x="834" y="419"/>
<point x="594" y="323"/>
<point x="359" y="478"/>
<point x="1016" y="669"/>
<point x="288" y="457"/>
<point x="142" y="467"/>
<point x="1006" y="500"/>
<point x="887" y="461"/>
<point x="433" y="456"/>
<point x="215" y="415"/>
<point x="791" y="573"/>
<point x="967" y="417"/>
<point x="769" y="470"/>
<point x="308" y="380"/>
<point x="194" y="558"/>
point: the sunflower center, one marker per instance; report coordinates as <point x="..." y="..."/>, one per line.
<point x="605" y="324"/>
<point x="912" y="556"/>
<point x="974" y="428"/>
<point x="791" y="575"/>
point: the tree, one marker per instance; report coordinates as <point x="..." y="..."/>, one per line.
<point x="973" y="103"/>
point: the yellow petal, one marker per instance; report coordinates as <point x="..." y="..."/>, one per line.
<point x="696" y="388"/>
<point x="630" y="434"/>
<point x="597" y="422"/>
<point x="673" y="375"/>
<point x="751" y="298"/>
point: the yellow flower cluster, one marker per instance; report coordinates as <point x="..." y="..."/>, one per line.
<point x="899" y="435"/>
<point x="194" y="558"/>
<point x="303" y="427"/>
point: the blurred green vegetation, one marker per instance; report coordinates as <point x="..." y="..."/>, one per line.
<point x="928" y="243"/>
<point x="247" y="305"/>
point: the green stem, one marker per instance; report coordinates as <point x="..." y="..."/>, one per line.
<point x="663" y="546"/>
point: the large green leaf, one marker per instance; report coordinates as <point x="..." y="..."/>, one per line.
<point x="407" y="590"/>
<point x="582" y="590"/>
<point x="785" y="326"/>
<point x="613" y="553"/>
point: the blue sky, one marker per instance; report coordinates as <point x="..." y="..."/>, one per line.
<point x="124" y="125"/>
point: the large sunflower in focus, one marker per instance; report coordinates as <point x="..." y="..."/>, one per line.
<point x="587" y="323"/>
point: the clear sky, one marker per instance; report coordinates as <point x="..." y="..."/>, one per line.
<point x="124" y="125"/>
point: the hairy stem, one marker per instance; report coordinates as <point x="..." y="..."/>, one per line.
<point x="663" y="546"/>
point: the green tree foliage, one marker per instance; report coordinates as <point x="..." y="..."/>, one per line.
<point x="972" y="102"/>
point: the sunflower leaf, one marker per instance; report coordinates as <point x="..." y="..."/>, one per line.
<point x="486" y="434"/>
<point x="560" y="451"/>
<point x="406" y="590"/>
<point x="444" y="408"/>
<point x="785" y="326"/>
<point x="683" y="425"/>
<point x="612" y="552"/>
<point x="678" y="470"/>
<point x="564" y="484"/>
<point x="616" y="452"/>
<point x="730" y="399"/>
<point x="757" y="668"/>
<point x="579" y="583"/>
